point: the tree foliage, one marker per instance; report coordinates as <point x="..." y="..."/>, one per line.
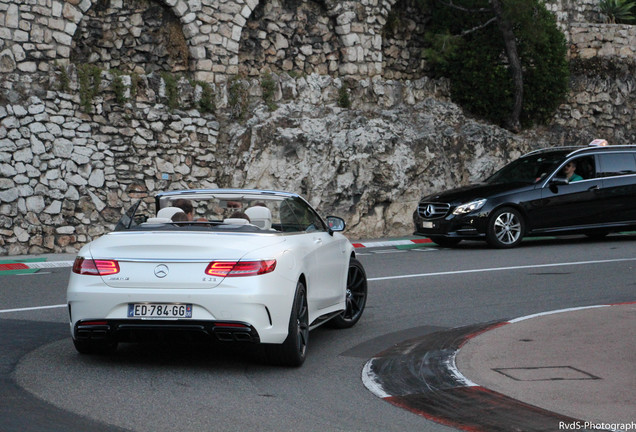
<point x="467" y="44"/>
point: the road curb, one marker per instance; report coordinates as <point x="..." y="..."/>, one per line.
<point x="28" y="266"/>
<point x="420" y="375"/>
<point x="392" y="243"/>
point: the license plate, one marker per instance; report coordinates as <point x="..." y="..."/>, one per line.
<point x="159" y="310"/>
<point x="427" y="224"/>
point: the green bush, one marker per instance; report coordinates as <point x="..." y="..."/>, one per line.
<point x="473" y="57"/>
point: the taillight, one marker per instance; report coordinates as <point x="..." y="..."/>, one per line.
<point x="240" y="268"/>
<point x="87" y="266"/>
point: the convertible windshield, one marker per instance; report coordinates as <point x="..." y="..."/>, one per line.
<point x="223" y="211"/>
<point x="529" y="169"/>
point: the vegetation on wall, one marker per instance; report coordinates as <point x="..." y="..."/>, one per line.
<point x="237" y="98"/>
<point x="65" y="81"/>
<point x="268" y="86"/>
<point x="172" y="92"/>
<point x="344" y="100"/>
<point x="119" y="88"/>
<point x="206" y="100"/>
<point x="90" y="78"/>
<point x="506" y="59"/>
<point x="618" y="11"/>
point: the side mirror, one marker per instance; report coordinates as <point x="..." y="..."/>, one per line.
<point x="336" y="224"/>
<point x="559" y="181"/>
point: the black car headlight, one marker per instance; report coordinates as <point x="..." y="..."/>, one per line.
<point x="469" y="207"/>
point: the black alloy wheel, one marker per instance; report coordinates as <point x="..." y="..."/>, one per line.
<point x="355" y="296"/>
<point x="293" y="351"/>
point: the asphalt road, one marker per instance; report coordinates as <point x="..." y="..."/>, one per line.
<point x="46" y="386"/>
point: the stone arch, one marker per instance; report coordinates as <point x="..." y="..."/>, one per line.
<point x="290" y="36"/>
<point x="403" y="40"/>
<point x="141" y="36"/>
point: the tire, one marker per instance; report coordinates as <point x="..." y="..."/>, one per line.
<point x="293" y="351"/>
<point x="355" y="297"/>
<point x="95" y="347"/>
<point x="448" y="242"/>
<point x="505" y="228"/>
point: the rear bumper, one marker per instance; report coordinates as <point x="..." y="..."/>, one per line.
<point x="179" y="330"/>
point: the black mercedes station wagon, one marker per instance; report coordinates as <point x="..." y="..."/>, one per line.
<point x="562" y="190"/>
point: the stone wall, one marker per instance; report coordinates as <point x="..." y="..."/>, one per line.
<point x="574" y="11"/>
<point x="288" y="36"/>
<point x="68" y="171"/>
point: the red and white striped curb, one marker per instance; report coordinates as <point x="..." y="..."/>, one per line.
<point x="35" y="265"/>
<point x="381" y="243"/>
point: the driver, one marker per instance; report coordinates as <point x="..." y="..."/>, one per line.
<point x="569" y="172"/>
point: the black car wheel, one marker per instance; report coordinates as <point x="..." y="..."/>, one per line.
<point x="293" y="351"/>
<point x="505" y="228"/>
<point x="355" y="298"/>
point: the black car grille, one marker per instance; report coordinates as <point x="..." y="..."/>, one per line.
<point x="432" y="210"/>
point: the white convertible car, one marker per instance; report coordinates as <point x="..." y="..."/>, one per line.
<point x="229" y="265"/>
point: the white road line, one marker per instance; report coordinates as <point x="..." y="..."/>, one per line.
<point x="534" y="266"/>
<point x="32" y="308"/>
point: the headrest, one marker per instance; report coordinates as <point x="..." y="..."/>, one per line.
<point x="168" y="212"/>
<point x="260" y="216"/>
<point x="157" y="220"/>
<point x="235" y="221"/>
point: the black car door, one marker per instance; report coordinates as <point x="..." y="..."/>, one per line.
<point x="567" y="205"/>
<point x="618" y="171"/>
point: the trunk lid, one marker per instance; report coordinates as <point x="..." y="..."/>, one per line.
<point x="172" y="259"/>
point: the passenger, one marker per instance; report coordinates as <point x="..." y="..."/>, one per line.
<point x="186" y="206"/>
<point x="240" y="215"/>
<point x="180" y="217"/>
<point x="568" y="170"/>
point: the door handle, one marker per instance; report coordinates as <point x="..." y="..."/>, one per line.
<point x="318" y="241"/>
<point x="593" y="188"/>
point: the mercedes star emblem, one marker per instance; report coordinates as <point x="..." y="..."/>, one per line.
<point x="429" y="210"/>
<point x="161" y="271"/>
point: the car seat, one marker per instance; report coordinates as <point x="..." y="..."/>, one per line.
<point x="164" y="215"/>
<point x="236" y="221"/>
<point x="260" y="216"/>
<point x="585" y="168"/>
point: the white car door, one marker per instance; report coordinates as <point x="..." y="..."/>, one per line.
<point x="324" y="256"/>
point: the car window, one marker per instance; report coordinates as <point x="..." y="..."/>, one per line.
<point x="616" y="164"/>
<point x="529" y="169"/>
<point x="585" y="167"/>
<point x="297" y="216"/>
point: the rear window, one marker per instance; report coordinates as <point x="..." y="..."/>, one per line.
<point x="617" y="164"/>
